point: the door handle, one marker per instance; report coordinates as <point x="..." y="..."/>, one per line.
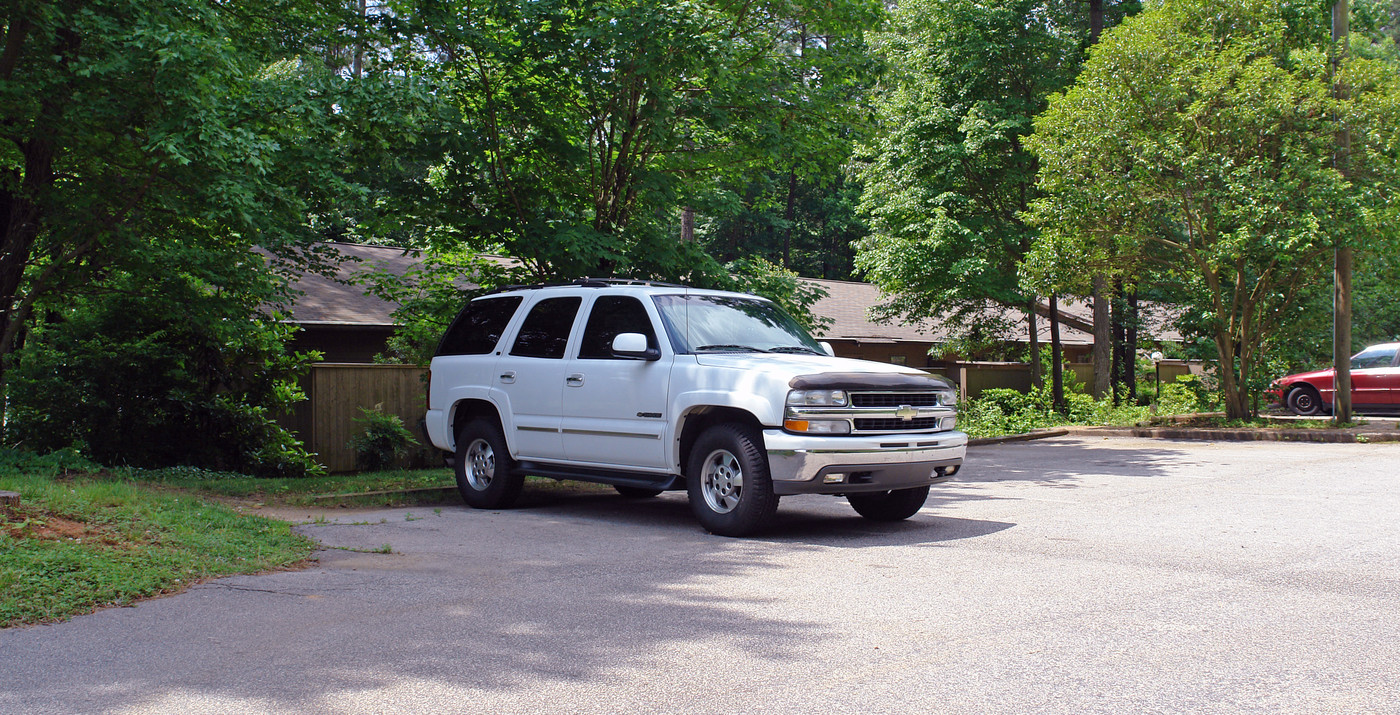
<point x="574" y="380"/>
<point x="508" y="377"/>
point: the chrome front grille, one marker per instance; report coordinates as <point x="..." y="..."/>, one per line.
<point x="894" y="399"/>
<point x="867" y="424"/>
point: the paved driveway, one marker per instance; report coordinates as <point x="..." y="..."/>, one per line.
<point x="1067" y="576"/>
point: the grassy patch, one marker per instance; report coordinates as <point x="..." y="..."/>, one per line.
<point x="303" y="492"/>
<point x="84" y="539"/>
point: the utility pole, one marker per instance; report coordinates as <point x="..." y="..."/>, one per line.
<point x="1341" y="272"/>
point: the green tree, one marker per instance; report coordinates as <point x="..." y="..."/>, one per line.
<point x="947" y="179"/>
<point x="576" y="131"/>
<point x="1200" y="137"/>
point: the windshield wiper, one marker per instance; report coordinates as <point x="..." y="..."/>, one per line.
<point x="732" y="348"/>
<point x="795" y="349"/>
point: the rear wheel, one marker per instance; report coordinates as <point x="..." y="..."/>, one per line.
<point x="486" y="474"/>
<point x="1304" y="400"/>
<point x="730" y="490"/>
<point x="896" y="505"/>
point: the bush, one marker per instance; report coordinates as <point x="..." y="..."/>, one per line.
<point x="159" y="373"/>
<point x="384" y="442"/>
<point x="1002" y="411"/>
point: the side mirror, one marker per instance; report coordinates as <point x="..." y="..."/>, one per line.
<point x="633" y="346"/>
<point x="826" y="347"/>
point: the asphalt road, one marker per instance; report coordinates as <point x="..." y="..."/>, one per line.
<point x="1058" y="576"/>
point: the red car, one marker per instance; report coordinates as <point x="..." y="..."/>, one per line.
<point x="1375" y="384"/>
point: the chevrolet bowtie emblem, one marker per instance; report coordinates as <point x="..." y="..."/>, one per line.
<point x="906" y="412"/>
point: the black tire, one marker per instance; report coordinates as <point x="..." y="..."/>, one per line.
<point x="896" y="505"/>
<point x="636" y="492"/>
<point x="486" y="475"/>
<point x="731" y="492"/>
<point x="1304" y="400"/>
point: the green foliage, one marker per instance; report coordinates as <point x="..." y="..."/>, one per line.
<point x="784" y="287"/>
<point x="384" y="442"/>
<point x="1002" y="411"/>
<point x="430" y="294"/>
<point x="1199" y="139"/>
<point x="574" y="132"/>
<point x="947" y="176"/>
<point x="158" y="371"/>
<point x="122" y="542"/>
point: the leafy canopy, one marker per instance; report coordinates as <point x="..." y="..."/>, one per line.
<point x="1200" y="138"/>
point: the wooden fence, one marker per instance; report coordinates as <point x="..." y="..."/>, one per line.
<point x="335" y="392"/>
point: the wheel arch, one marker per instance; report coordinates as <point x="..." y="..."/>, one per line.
<point x="466" y="410"/>
<point x="702" y="417"/>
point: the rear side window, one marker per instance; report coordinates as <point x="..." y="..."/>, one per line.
<point x="545" y="332"/>
<point x="610" y="316"/>
<point x="478" y="327"/>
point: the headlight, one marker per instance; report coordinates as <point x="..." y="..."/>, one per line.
<point x="947" y="398"/>
<point x="817" y="398"/>
<point x="817" y="426"/>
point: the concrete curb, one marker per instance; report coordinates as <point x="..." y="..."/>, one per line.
<point x="1023" y="437"/>
<point x="1223" y="434"/>
<point x="1205" y="434"/>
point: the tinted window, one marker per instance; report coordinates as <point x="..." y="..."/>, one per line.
<point x="610" y="316"/>
<point x="1378" y="356"/>
<point x="546" y="329"/>
<point x="479" y="326"/>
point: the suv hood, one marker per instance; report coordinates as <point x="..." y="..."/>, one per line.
<point x="847" y="373"/>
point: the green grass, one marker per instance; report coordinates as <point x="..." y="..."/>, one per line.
<point x="84" y="539"/>
<point x="302" y="492"/>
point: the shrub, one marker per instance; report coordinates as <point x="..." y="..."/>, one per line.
<point x="159" y="374"/>
<point x="384" y="442"/>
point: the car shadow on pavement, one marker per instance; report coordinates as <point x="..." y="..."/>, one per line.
<point x="1057" y="464"/>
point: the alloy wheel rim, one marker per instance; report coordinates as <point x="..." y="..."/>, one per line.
<point x="722" y="481"/>
<point x="481" y="464"/>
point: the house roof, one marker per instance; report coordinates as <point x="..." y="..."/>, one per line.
<point x="343" y="301"/>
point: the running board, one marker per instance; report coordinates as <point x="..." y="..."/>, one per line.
<point x="619" y="478"/>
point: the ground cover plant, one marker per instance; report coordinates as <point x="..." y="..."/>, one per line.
<point x="83" y="538"/>
<point x="999" y="412"/>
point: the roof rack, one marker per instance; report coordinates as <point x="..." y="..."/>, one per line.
<point x="587" y="283"/>
<point x="604" y="282"/>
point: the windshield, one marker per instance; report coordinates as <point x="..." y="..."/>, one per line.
<point x="710" y="323"/>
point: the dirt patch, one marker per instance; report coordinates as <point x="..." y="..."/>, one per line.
<point x="32" y="524"/>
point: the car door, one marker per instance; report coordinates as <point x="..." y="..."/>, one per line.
<point x="615" y="408"/>
<point x="531" y="375"/>
<point x="1374" y="376"/>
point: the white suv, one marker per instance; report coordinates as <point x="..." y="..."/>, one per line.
<point x="652" y="387"/>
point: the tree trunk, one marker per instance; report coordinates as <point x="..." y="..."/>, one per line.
<point x="1120" y="335"/>
<point x="789" y="216"/>
<point x="1037" y="370"/>
<point x="687" y="225"/>
<point x="1103" y="339"/>
<point x="1057" y="364"/>
<point x="1095" y="20"/>
<point x="1132" y="341"/>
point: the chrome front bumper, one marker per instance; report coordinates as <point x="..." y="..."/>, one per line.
<point x="803" y="464"/>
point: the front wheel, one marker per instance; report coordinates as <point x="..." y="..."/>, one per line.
<point x="896" y="505"/>
<point x="486" y="474"/>
<point x="730" y="490"/>
<point x="1305" y="400"/>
